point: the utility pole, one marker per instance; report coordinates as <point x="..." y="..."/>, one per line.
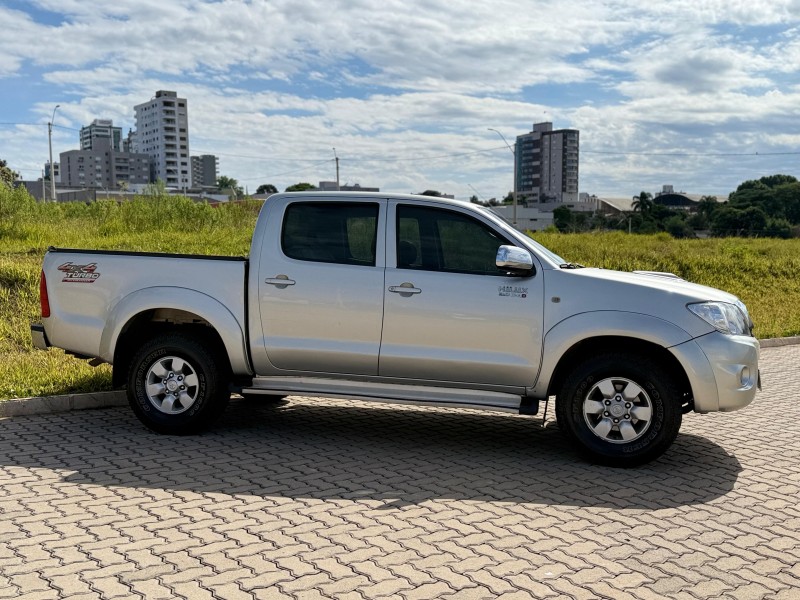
<point x="514" y="192"/>
<point x="338" y="187"/>
<point x="52" y="167"/>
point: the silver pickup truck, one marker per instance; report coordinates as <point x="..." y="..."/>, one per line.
<point x="406" y="299"/>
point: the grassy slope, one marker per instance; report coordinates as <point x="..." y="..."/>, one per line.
<point x="25" y="234"/>
<point x="764" y="273"/>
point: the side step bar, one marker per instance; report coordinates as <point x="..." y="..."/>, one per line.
<point x="393" y="393"/>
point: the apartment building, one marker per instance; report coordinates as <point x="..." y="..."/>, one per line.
<point x="162" y="132"/>
<point x="103" y="167"/>
<point x="101" y="129"/>
<point x="547" y="165"/>
<point x="205" y="169"/>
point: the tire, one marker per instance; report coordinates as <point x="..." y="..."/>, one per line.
<point x="620" y="410"/>
<point x="176" y="385"/>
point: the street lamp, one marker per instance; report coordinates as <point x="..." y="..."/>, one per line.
<point x="513" y="193"/>
<point x="338" y="187"/>
<point x="50" y="144"/>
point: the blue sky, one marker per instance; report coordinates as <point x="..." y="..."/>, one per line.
<point x="698" y="94"/>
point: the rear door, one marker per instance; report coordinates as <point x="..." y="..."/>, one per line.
<point x="321" y="286"/>
<point x="449" y="313"/>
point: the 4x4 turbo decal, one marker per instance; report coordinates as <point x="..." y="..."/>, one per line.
<point x="79" y="273"/>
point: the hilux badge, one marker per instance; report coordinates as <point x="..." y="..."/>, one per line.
<point x="512" y="291"/>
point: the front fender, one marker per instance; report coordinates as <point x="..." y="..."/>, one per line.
<point x="202" y="305"/>
<point x="578" y="328"/>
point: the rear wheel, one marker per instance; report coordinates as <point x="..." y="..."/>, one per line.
<point x="176" y="385"/>
<point x="620" y="409"/>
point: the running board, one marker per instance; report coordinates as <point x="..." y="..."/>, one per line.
<point x="392" y="393"/>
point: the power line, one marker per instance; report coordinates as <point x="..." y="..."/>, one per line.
<point x="42" y="125"/>
<point x="261" y="178"/>
<point x="688" y="154"/>
<point x="259" y="157"/>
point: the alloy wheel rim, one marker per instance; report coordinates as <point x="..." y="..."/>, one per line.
<point x="618" y="410"/>
<point x="172" y="385"/>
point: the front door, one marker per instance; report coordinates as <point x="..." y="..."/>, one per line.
<point x="449" y="313"/>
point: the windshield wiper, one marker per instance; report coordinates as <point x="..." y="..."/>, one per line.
<point x="571" y="266"/>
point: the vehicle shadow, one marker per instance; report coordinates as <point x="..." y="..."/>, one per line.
<point x="402" y="456"/>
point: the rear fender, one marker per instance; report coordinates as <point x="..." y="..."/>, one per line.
<point x="204" y="306"/>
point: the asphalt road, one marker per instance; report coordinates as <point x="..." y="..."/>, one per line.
<point x="322" y="498"/>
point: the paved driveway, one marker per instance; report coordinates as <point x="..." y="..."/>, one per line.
<point x="321" y="498"/>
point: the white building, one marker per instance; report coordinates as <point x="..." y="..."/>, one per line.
<point x="162" y="132"/>
<point x="528" y="218"/>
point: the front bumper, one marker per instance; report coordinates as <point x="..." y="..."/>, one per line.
<point x="39" y="336"/>
<point x="722" y="370"/>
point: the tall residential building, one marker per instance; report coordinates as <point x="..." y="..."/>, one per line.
<point x="103" y="167"/>
<point x="204" y="170"/>
<point x="162" y="132"/>
<point x="101" y="129"/>
<point x="547" y="165"/>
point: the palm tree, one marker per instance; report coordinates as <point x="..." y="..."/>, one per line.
<point x="643" y="203"/>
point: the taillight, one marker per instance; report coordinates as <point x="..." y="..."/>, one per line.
<point x="43" y="299"/>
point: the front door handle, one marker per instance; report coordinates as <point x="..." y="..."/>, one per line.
<point x="280" y="281"/>
<point x="405" y="289"/>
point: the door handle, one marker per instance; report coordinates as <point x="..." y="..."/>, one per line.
<point x="405" y="289"/>
<point x="280" y="281"/>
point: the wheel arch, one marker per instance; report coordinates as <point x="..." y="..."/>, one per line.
<point x="602" y="344"/>
<point x="153" y="310"/>
<point x="587" y="334"/>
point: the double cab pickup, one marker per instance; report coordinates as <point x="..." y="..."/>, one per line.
<point x="405" y="299"/>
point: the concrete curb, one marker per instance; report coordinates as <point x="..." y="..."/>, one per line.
<point x="778" y="342"/>
<point x="56" y="404"/>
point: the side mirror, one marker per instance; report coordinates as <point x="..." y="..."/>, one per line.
<point x="516" y="261"/>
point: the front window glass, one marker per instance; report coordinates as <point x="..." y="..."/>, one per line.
<point x="435" y="239"/>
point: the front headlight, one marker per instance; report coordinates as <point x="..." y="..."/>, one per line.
<point x="724" y="317"/>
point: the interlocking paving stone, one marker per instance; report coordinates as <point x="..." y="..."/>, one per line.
<point x="320" y="498"/>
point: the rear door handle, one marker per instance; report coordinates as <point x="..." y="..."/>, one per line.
<point x="280" y="281"/>
<point x="405" y="289"/>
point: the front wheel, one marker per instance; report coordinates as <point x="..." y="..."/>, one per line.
<point x="176" y="385"/>
<point x="620" y="409"/>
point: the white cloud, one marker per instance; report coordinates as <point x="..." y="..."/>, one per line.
<point x="387" y="81"/>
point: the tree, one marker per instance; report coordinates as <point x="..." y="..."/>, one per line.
<point x="157" y="189"/>
<point x="7" y="175"/>
<point x="677" y="227"/>
<point x="643" y="203"/>
<point x="773" y="181"/>
<point x="267" y="188"/>
<point x="229" y="183"/>
<point x="562" y="218"/>
<point x="731" y="221"/>
<point x="300" y="187"/>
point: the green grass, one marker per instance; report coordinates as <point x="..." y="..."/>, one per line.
<point x="27" y="229"/>
<point x="764" y="273"/>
